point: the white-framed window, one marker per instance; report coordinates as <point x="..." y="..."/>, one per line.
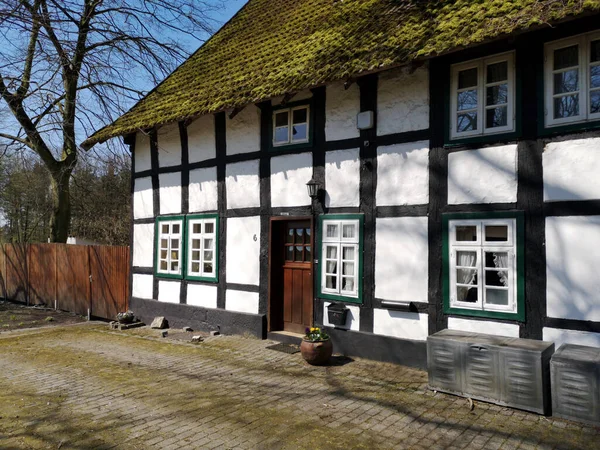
<point x="340" y="254"/>
<point x="483" y="96"/>
<point x="291" y="125"/>
<point x="201" y="247"/>
<point x="483" y="264"/>
<point x="572" y="80"/>
<point x="170" y="233"/>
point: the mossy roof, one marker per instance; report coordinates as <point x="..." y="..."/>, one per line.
<point x="274" y="47"/>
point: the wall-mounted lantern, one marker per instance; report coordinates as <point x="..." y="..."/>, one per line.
<point x="313" y="189"/>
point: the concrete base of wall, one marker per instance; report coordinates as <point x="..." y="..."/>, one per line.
<point x="201" y="319"/>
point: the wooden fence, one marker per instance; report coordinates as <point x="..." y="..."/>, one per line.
<point x="84" y="279"/>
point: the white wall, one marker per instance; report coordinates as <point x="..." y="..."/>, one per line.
<point x="405" y="325"/>
<point x="143" y="200"/>
<point x="143" y="245"/>
<point x="403" y="101"/>
<point x="243" y="185"/>
<point x="169" y="291"/>
<point x="243" y="250"/>
<point x="571" y="170"/>
<point x="560" y="337"/>
<point x="203" y="190"/>
<point x="403" y="174"/>
<point x="487" y="175"/>
<point x="572" y="267"/>
<point x="143" y="160"/>
<point x="142" y="286"/>
<point x="401" y="259"/>
<point x="342" y="178"/>
<point x="482" y="326"/>
<point x="352" y="318"/>
<point x="341" y="108"/>
<point x="169" y="145"/>
<point x="201" y="139"/>
<point x="202" y="295"/>
<point x="246" y="302"/>
<point x="170" y="193"/>
<point x="243" y="131"/>
<point x="289" y="175"/>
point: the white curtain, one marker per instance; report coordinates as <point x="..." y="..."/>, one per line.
<point x="467" y="259"/>
<point x="501" y="262"/>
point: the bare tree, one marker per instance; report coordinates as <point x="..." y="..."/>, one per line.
<point x="69" y="66"/>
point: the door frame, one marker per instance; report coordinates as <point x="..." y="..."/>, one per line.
<point x="280" y="221"/>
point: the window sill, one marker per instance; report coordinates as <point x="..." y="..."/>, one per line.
<point x="482" y="139"/>
<point x="168" y="276"/>
<point x="340" y="298"/>
<point x="286" y="147"/>
<point x="569" y="128"/>
<point x="203" y="279"/>
<point x="516" y="317"/>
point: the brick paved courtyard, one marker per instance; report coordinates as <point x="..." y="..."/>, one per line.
<point x="87" y="387"/>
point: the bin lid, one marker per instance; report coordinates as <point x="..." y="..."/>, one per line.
<point x="336" y="307"/>
<point x="582" y="354"/>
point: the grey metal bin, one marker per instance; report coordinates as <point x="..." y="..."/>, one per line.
<point x="507" y="371"/>
<point x="575" y="371"/>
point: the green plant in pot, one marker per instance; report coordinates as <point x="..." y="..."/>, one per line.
<point x="316" y="347"/>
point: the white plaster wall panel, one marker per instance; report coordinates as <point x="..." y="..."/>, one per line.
<point x="201" y="139"/>
<point x="202" y="295"/>
<point x="170" y="193"/>
<point x="403" y="174"/>
<point x="341" y="108"/>
<point x="403" y="101"/>
<point x="143" y="245"/>
<point x="142" y="286"/>
<point x="560" y="337"/>
<point x="169" y="145"/>
<point x="401" y="259"/>
<point x="169" y="291"/>
<point x="289" y="175"/>
<point x="143" y="200"/>
<point x="243" y="250"/>
<point x="342" y="178"/>
<point x="243" y="131"/>
<point x="572" y="262"/>
<point x="571" y="170"/>
<point x="143" y="161"/>
<point x="487" y="175"/>
<point x="400" y="324"/>
<point x="483" y="326"/>
<point x="352" y="318"/>
<point x="298" y="97"/>
<point x="245" y="302"/>
<point x="243" y="185"/>
<point x="203" y="190"/>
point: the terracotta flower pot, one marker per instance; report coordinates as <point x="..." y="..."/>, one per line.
<point x="316" y="353"/>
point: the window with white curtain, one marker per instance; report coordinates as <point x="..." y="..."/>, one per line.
<point x="483" y="266"/>
<point x="340" y="255"/>
<point x="169" y="255"/>
<point x="201" y="247"/>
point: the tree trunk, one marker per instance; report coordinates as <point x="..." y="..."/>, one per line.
<point x="61" y="202"/>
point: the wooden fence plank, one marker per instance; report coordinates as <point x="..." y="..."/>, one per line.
<point x="2" y="272"/>
<point x="42" y="274"/>
<point x="16" y="272"/>
<point x="109" y="267"/>
<point x="73" y="284"/>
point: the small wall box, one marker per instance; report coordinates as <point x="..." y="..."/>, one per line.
<point x="337" y="314"/>
<point x="575" y="380"/>
<point x="365" y="120"/>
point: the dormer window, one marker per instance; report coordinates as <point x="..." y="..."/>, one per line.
<point x="291" y="126"/>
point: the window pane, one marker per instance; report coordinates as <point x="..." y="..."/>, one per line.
<point x="496" y="297"/>
<point x="347" y="284"/>
<point x="196" y="267"/>
<point x="174" y="255"/>
<point x="466" y="233"/>
<point x="466" y="259"/>
<point x="348" y="254"/>
<point x="164" y="243"/>
<point x="208" y="244"/>
<point x="331" y="267"/>
<point x="497" y="72"/>
<point x="208" y="267"/>
<point x="197" y="228"/>
<point x="209" y="227"/>
<point x="174" y="266"/>
<point x="175" y="243"/>
<point x="467" y="78"/>
<point x="163" y="265"/>
<point x="307" y="231"/>
<point x="566" y="81"/>
<point x="595" y="77"/>
<point x="466" y="276"/>
<point x="289" y="253"/>
<point x="466" y="122"/>
<point x="281" y="119"/>
<point x="307" y="253"/>
<point x="595" y="51"/>
<point x="195" y="255"/>
<point x="176" y="228"/>
<point x="163" y="254"/>
<point x="300" y="116"/>
<point x="331" y="282"/>
<point x="349" y="231"/>
<point x="496" y="278"/>
<point x="331" y="252"/>
<point x="290" y="236"/>
<point x="465" y="294"/>
<point x="299" y="235"/>
<point x="595" y="102"/>
<point x="348" y="268"/>
<point x="496" y="233"/>
<point x="281" y="134"/>
<point x="467" y="100"/>
<point x="298" y="253"/>
<point x="332" y="231"/>
<point x="195" y="244"/>
<point x="566" y="106"/>
<point x="496" y="117"/>
<point x="208" y="256"/>
<point x="498" y="260"/>
<point x="566" y="57"/>
<point x="299" y="132"/>
<point x="165" y="228"/>
<point x="497" y="94"/>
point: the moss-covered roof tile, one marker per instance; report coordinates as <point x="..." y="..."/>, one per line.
<point x="273" y="47"/>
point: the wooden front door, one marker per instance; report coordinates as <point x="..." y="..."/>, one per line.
<point x="297" y="252"/>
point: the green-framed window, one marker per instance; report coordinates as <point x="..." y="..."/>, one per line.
<point x="483" y="259"/>
<point x="202" y="256"/>
<point x="170" y="248"/>
<point x="341" y="247"/>
<point x="292" y="126"/>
